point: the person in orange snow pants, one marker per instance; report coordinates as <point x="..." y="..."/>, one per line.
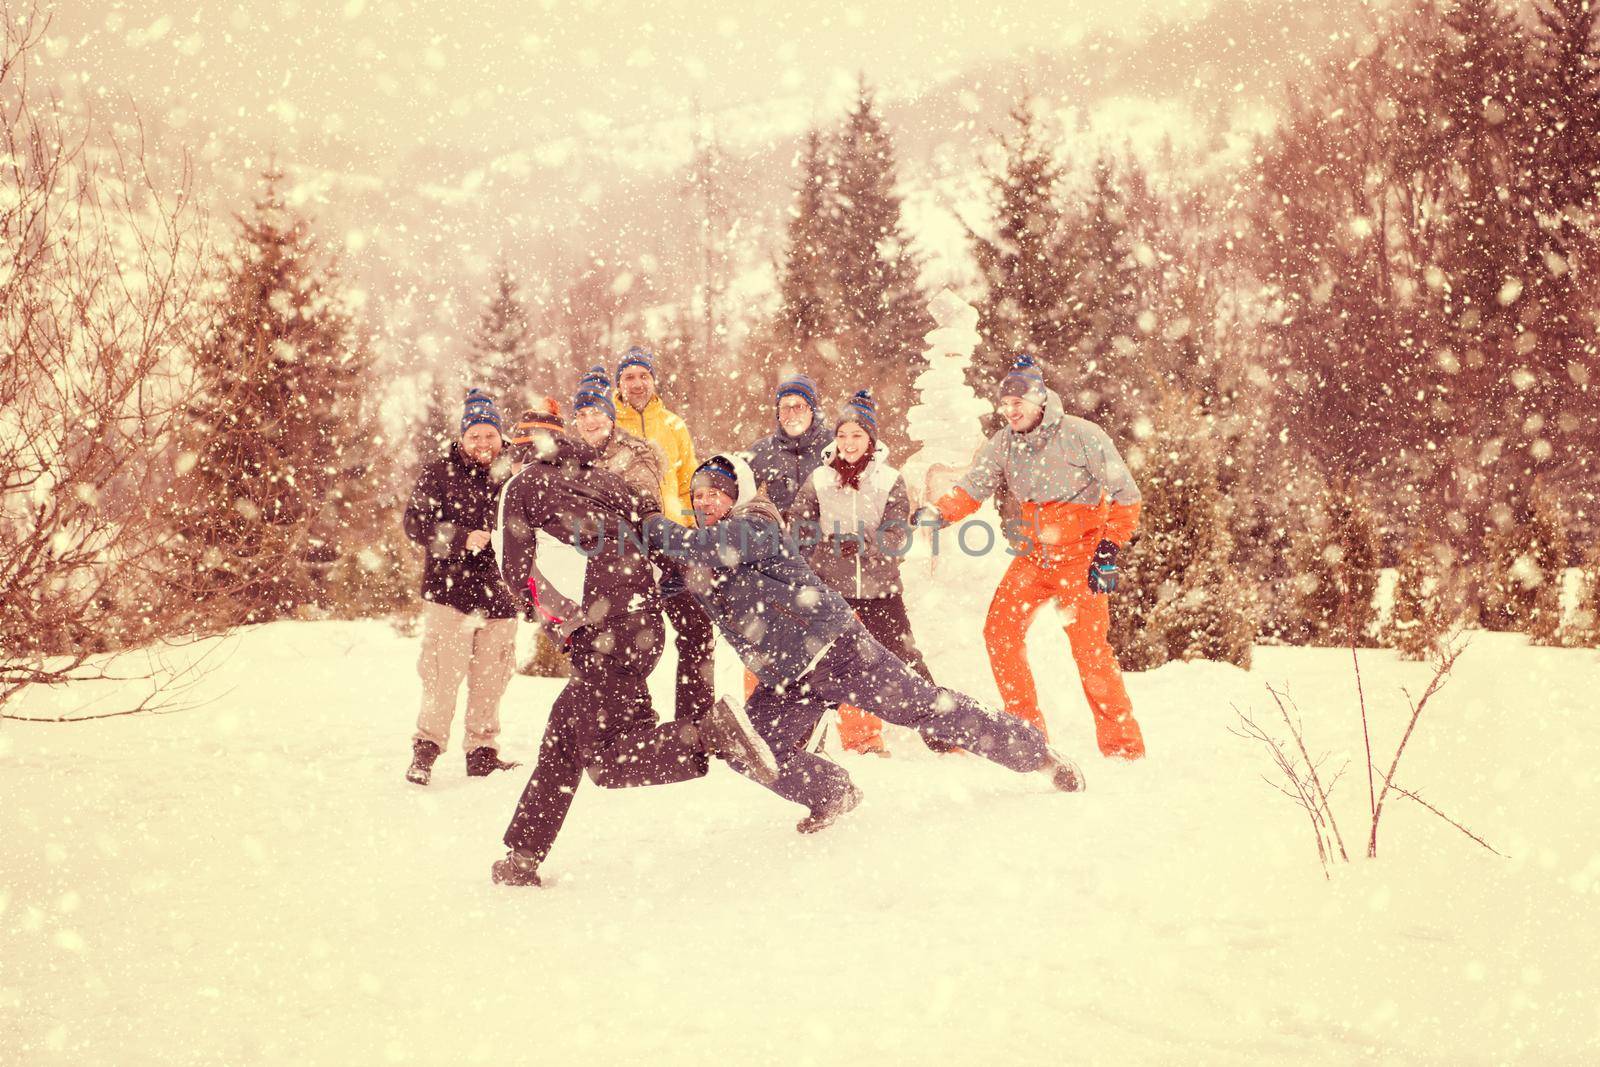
<point x="1080" y="505"/>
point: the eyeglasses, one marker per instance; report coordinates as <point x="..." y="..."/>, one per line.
<point x="793" y="407"/>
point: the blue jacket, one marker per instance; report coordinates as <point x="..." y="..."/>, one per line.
<point x="772" y="608"/>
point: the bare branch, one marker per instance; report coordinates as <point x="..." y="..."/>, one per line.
<point x="1412" y="796"/>
<point x="1445" y="664"/>
<point x="1301" y="794"/>
<point x="1316" y="783"/>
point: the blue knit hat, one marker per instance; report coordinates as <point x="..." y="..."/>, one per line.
<point x="479" y="408"/>
<point x="860" y="409"/>
<point x="801" y="386"/>
<point x="637" y="357"/>
<point x="717" y="473"/>
<point x="1026" y="380"/>
<point x="594" y="391"/>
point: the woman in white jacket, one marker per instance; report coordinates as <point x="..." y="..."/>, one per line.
<point x="855" y="513"/>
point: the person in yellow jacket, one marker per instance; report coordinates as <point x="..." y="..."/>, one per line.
<point x="641" y="412"/>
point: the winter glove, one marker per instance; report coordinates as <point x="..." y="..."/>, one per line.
<point x="927" y="515"/>
<point x="844" y="547"/>
<point x="561" y="631"/>
<point x="1103" y="568"/>
<point x="673" y="583"/>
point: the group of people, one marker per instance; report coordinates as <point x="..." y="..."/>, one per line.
<point x="598" y="523"/>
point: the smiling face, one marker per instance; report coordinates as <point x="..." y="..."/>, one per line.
<point x="852" y="440"/>
<point x="481" y="443"/>
<point x="593" y="425"/>
<point x="712" y="504"/>
<point x="638" y="387"/>
<point x="1021" y="415"/>
<point x="794" y="415"/>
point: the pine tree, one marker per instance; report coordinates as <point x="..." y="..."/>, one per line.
<point x="1178" y="598"/>
<point x="807" y="293"/>
<point x="1336" y="569"/>
<point x="1521" y="574"/>
<point x="884" y="309"/>
<point x="1585" y="626"/>
<point x="1548" y="547"/>
<point x="1424" y="610"/>
<point x="501" y="359"/>
<point x="1105" y="289"/>
<point x="279" y="426"/>
<point x="1027" y="285"/>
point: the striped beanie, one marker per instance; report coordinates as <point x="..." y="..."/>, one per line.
<point x="637" y="357"/>
<point x="801" y="386"/>
<point x="1025" y="380"/>
<point x="860" y="409"/>
<point x="479" y="408"/>
<point x="531" y="436"/>
<point x="594" y="391"/>
<point x="717" y="473"/>
<point x="545" y="414"/>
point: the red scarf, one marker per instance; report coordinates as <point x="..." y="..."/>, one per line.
<point x="850" y="473"/>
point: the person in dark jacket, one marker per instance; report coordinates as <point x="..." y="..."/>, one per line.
<point x="810" y="653"/>
<point x="598" y="595"/>
<point x="469" y="626"/>
<point x="784" y="461"/>
<point x="854" y="513"/>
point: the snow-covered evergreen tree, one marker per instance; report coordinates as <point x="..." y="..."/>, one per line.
<point x="1178" y="597"/>
<point x="1028" y="296"/>
<point x="279" y="433"/>
<point x="876" y="271"/>
<point x="1425" y="608"/>
<point x="1335" y="568"/>
<point x="1105" y="287"/>
<point x="1519" y="579"/>
<point x="501" y="356"/>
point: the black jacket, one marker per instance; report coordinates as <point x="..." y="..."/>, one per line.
<point x="453" y="497"/>
<point x="565" y="500"/>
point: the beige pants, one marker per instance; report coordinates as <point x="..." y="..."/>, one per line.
<point x="456" y="646"/>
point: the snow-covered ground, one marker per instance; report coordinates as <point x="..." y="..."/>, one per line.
<point x="252" y="882"/>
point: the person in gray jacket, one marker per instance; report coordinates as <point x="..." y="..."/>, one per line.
<point x="810" y="653"/>
<point x="854" y="514"/>
<point x="783" y="461"/>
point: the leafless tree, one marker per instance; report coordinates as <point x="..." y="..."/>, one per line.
<point x="1301" y="776"/>
<point x="101" y="267"/>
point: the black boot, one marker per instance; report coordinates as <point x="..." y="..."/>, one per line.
<point x="423" y="753"/>
<point x="726" y="733"/>
<point x="482" y="762"/>
<point x="825" y="816"/>
<point x="518" y="868"/>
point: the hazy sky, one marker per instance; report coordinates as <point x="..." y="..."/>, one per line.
<point x="386" y="75"/>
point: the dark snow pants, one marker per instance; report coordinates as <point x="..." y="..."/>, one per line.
<point x="696" y="636"/>
<point x="602" y="723"/>
<point x="885" y="618"/>
<point x="858" y="670"/>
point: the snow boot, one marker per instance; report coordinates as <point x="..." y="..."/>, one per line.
<point x="825" y="816"/>
<point x="423" y="753"/>
<point x="1064" y="774"/>
<point x="726" y="733"/>
<point x="482" y="762"/>
<point x="518" y="868"/>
